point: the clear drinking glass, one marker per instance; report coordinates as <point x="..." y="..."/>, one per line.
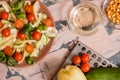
<point x="84" y="18"/>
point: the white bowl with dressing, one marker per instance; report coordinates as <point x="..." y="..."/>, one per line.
<point x="84" y="18"/>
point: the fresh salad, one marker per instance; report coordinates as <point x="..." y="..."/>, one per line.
<point x="23" y="31"/>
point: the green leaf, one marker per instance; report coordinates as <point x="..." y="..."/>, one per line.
<point x="26" y="29"/>
<point x="16" y="9"/>
<point x="18" y="5"/>
<point x="42" y="27"/>
<point x="3" y="59"/>
<point x="11" y="61"/>
<point x="29" y="60"/>
<point x="2" y="54"/>
<point x="19" y="14"/>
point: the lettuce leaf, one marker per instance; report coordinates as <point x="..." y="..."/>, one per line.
<point x="18" y="5"/>
<point x="19" y="14"/>
<point x="11" y="61"/>
<point x="2" y="57"/>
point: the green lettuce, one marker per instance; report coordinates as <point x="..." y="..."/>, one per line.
<point x="17" y="5"/>
<point x="19" y="14"/>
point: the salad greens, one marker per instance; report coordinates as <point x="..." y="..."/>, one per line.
<point x="19" y="14"/>
<point x="29" y="60"/>
<point x="11" y="61"/>
<point x="17" y="5"/>
<point x="17" y="9"/>
<point x="2" y="57"/>
<point x="26" y="30"/>
<point x="42" y="27"/>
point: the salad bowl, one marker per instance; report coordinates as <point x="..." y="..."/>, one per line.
<point x="41" y="45"/>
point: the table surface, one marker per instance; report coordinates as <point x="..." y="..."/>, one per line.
<point x="105" y="41"/>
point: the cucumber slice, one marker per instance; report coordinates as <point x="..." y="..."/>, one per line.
<point x="18" y="42"/>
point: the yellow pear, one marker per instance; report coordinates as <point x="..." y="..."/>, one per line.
<point x="71" y="73"/>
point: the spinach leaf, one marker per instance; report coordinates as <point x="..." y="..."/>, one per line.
<point x="42" y="27"/>
<point x="16" y="9"/>
<point x="27" y="30"/>
<point x="2" y="57"/>
<point x="19" y="14"/>
<point x="29" y="60"/>
<point x="18" y="5"/>
<point x="2" y="54"/>
<point x="11" y="61"/>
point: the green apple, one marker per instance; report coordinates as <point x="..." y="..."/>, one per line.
<point x="71" y="73"/>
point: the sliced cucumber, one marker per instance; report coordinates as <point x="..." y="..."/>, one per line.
<point x="18" y="42"/>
